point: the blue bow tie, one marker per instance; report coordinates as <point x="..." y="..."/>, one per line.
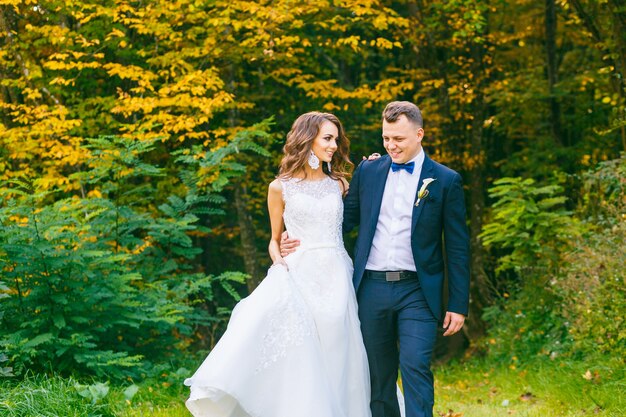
<point x="409" y="166"/>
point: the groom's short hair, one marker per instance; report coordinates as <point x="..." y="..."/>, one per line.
<point x="396" y="109"/>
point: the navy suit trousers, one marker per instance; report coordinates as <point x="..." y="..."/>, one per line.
<point x="399" y="330"/>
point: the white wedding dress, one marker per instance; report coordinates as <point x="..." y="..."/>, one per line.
<point x="293" y="348"/>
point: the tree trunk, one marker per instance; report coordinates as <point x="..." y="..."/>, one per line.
<point x="246" y="226"/>
<point x="246" y="232"/>
<point x="551" y="64"/>
<point x="618" y="15"/>
<point x="617" y="72"/>
<point x="479" y="290"/>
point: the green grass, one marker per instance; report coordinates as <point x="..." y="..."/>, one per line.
<point x="145" y="410"/>
<point x="467" y="389"/>
<point x="38" y="396"/>
<point x="44" y="396"/>
<point x="155" y="401"/>
<point x="541" y="389"/>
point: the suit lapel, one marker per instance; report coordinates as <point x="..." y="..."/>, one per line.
<point x="427" y="172"/>
<point x="378" y="189"/>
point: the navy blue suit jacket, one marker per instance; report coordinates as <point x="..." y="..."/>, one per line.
<point x="438" y="217"/>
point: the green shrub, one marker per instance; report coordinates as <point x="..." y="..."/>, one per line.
<point x="530" y="223"/>
<point x="565" y="290"/>
<point x="592" y="284"/>
<point x="105" y="283"/>
<point x="528" y="324"/>
<point x="593" y="292"/>
<point x="530" y="227"/>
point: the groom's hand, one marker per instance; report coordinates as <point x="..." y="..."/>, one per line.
<point x="287" y="245"/>
<point x="372" y="157"/>
<point x="453" y="323"/>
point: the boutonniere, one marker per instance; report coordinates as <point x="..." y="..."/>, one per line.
<point x="423" y="192"/>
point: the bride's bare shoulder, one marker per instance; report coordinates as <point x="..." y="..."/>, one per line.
<point x="275" y="186"/>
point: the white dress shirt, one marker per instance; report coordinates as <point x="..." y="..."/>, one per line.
<point x="391" y="246"/>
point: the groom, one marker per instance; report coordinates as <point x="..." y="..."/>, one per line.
<point x="406" y="206"/>
<point x="410" y="212"/>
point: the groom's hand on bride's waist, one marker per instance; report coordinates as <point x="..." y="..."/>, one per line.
<point x="288" y="245"/>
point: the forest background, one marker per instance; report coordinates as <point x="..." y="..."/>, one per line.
<point x="137" y="139"/>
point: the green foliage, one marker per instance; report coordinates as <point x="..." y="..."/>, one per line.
<point x="5" y="371"/>
<point x="592" y="288"/>
<point x="213" y="170"/>
<point x="604" y="189"/>
<point x="570" y="301"/>
<point x="528" y="221"/>
<point x="526" y="324"/>
<point x="531" y="230"/>
<point x="107" y="280"/>
<point x="94" y="392"/>
<point x="196" y="75"/>
<point x="592" y="284"/>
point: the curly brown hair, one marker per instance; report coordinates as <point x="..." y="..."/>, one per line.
<point x="300" y="140"/>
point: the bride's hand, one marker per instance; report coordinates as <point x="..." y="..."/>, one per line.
<point x="281" y="261"/>
<point x="372" y="157"/>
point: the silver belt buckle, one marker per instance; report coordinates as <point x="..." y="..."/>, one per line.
<point x="392" y="276"/>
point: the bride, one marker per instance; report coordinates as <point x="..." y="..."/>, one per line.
<point x="293" y="348"/>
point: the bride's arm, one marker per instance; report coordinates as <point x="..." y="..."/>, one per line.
<point x="345" y="185"/>
<point x="276" y="206"/>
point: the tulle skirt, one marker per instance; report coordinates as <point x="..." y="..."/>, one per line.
<point x="293" y="348"/>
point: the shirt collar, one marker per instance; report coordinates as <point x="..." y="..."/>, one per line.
<point x="419" y="161"/>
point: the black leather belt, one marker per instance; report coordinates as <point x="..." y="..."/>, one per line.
<point x="390" y="275"/>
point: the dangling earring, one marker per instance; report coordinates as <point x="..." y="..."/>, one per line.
<point x="329" y="170"/>
<point x="314" y="161"/>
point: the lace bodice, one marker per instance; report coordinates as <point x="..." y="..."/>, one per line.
<point x="313" y="211"/>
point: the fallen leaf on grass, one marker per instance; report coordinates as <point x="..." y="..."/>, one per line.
<point x="527" y="396"/>
<point x="451" y="413"/>
<point x="595" y="377"/>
